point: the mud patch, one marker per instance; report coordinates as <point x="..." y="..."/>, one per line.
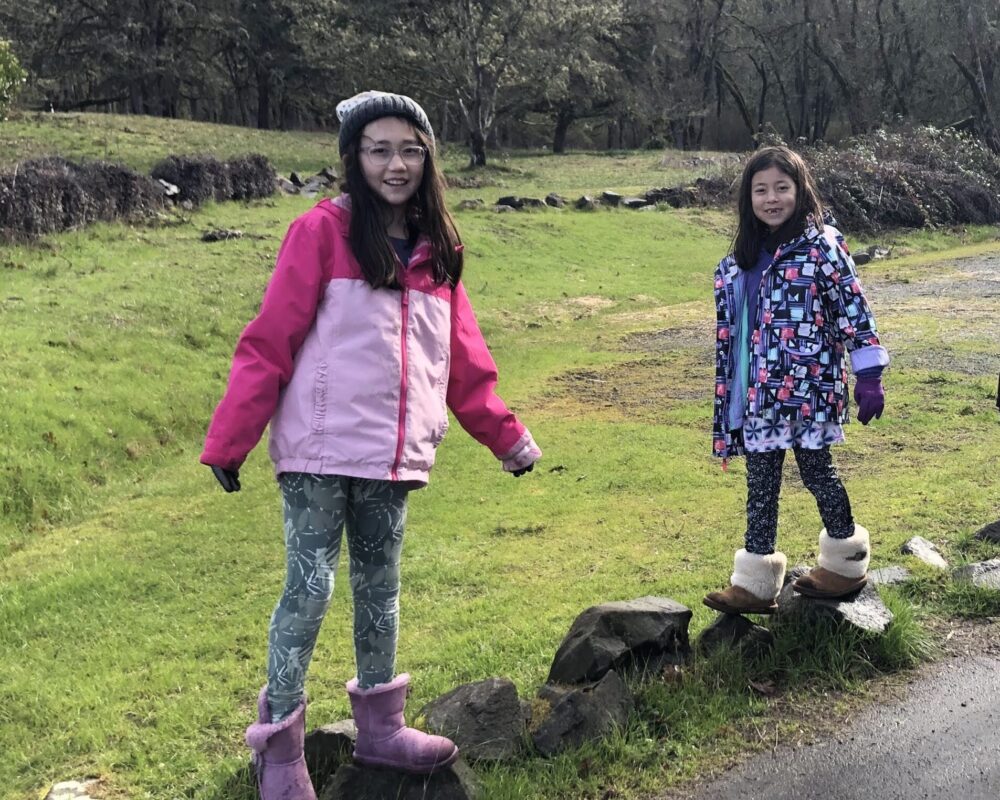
<point x="643" y="389"/>
<point x="971" y="277"/>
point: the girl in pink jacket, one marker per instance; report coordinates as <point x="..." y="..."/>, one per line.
<point x="364" y="339"/>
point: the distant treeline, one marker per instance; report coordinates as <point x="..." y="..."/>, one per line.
<point x="588" y="73"/>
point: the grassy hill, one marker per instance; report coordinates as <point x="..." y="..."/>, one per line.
<point x="135" y="595"/>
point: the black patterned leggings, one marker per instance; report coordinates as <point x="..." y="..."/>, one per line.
<point x="764" y="485"/>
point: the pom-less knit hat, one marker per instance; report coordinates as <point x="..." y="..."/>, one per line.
<point x="356" y="112"/>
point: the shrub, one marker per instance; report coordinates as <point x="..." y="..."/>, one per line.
<point x="199" y="178"/>
<point x="52" y="194"/>
<point x="251" y="176"/>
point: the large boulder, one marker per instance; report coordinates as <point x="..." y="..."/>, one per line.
<point x="626" y="635"/>
<point x="485" y="719"/>
<point x="578" y="714"/>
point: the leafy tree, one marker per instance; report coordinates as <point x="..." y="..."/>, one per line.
<point x="12" y="77"/>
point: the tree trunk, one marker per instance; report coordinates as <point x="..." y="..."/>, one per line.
<point x="477" y="148"/>
<point x="263" y="100"/>
<point x="563" y="120"/>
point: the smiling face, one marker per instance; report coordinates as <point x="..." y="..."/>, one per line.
<point x="397" y="181"/>
<point x="772" y="197"/>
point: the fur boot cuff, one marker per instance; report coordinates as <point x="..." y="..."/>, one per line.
<point x="762" y="576"/>
<point x="847" y="557"/>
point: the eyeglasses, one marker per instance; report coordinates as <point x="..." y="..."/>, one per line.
<point x="380" y="154"/>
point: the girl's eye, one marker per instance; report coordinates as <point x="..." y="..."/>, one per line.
<point x="378" y="152"/>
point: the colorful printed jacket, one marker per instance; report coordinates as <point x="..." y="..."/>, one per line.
<point x="811" y="309"/>
<point x="354" y="380"/>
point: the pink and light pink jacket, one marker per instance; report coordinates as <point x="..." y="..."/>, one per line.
<point x="354" y="380"/>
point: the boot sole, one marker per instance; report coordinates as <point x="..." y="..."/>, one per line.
<point x="723" y="608"/>
<point x="409" y="769"/>
<point x="808" y="591"/>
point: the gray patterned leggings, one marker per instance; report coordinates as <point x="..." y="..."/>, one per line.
<point x="764" y="485"/>
<point x="316" y="508"/>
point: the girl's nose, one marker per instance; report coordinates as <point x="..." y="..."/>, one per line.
<point x="396" y="162"/>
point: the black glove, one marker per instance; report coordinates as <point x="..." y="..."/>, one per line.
<point x="229" y="478"/>
<point x="517" y="473"/>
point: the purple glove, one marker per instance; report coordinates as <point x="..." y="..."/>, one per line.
<point x="870" y="397"/>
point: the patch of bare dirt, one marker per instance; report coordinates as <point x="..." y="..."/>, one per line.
<point x="641" y="389"/>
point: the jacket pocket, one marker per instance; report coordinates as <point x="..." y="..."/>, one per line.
<point x="319" y="398"/>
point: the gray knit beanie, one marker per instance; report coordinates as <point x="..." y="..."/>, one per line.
<point x="356" y="112"/>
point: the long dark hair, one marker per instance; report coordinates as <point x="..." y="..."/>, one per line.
<point x="751" y="233"/>
<point x="426" y="213"/>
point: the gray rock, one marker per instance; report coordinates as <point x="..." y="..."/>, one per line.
<point x="532" y="202"/>
<point x="634" y="202"/>
<point x="736" y="631"/>
<point x="555" y="200"/>
<point x="485" y="719"/>
<point x="286" y="185"/>
<point x="925" y="551"/>
<point x="794" y="573"/>
<point x="168" y="189"/>
<point x="623" y="636"/>
<point x="611" y="198"/>
<point x="329" y="174"/>
<point x="221" y="235"/>
<point x="294" y="178"/>
<point x="586" y="203"/>
<point x="984" y="574"/>
<point x="646" y="207"/>
<point x="865" y="610"/>
<point x="989" y="533"/>
<point x="72" y="790"/>
<point x="888" y="576"/>
<point x="578" y="714"/>
<point x="328" y="747"/>
<point x="356" y="782"/>
<point x="511" y="200"/>
<point x="471" y="203"/>
<point x="862" y="258"/>
<point x="501" y="209"/>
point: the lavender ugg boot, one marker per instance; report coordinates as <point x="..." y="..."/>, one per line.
<point x="278" y="753"/>
<point x="383" y="738"/>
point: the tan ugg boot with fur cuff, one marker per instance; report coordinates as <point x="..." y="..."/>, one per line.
<point x="755" y="583"/>
<point x="843" y="566"/>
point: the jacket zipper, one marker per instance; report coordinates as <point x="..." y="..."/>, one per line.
<point x="404" y="303"/>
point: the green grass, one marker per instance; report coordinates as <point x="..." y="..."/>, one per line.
<point x="135" y="595"/>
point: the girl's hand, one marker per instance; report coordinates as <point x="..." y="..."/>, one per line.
<point x="229" y="478"/>
<point x="870" y="397"/>
<point x="523" y="458"/>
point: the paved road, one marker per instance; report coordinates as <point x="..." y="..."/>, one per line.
<point x="941" y="742"/>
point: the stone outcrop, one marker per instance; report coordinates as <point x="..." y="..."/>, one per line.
<point x="625" y="636"/>
<point x="485" y="719"/>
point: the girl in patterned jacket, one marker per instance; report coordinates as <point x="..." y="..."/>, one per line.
<point x="789" y="307"/>
<point x="364" y="339"/>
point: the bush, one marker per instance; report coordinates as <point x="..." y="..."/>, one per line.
<point x="52" y="194"/>
<point x="199" y="178"/>
<point x="909" y="178"/>
<point x="251" y="176"/>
